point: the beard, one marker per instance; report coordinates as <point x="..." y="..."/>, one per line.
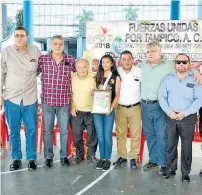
<point x="182" y="69"/>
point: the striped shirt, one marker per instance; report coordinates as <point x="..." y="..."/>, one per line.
<point x="56" y="79"/>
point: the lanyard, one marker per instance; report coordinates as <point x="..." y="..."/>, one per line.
<point x="107" y="80"/>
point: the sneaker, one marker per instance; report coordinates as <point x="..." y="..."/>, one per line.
<point x="100" y="164"/>
<point x="78" y="159"/>
<point x="200" y="173"/>
<point x="16" y="164"/>
<point x="32" y="165"/>
<point x="120" y="161"/>
<point x="162" y="170"/>
<point x="65" y="161"/>
<point x="167" y="174"/>
<point x="133" y="164"/>
<point x="149" y="165"/>
<point x="92" y="159"/>
<point x="185" y="178"/>
<point x="106" y="165"/>
<point x="48" y="163"/>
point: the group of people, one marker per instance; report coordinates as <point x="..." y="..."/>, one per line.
<point x="161" y="95"/>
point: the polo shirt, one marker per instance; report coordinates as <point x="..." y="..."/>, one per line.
<point x="82" y="91"/>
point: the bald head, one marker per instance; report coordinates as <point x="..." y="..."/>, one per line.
<point x="82" y="67"/>
<point x="82" y="61"/>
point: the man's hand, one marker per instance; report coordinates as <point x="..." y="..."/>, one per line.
<point x="1" y="102"/>
<point x="198" y="77"/>
<point x="180" y="116"/>
<point x="74" y="112"/>
<point x="173" y="115"/>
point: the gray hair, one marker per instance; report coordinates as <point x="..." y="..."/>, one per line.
<point x="58" y="37"/>
<point x="82" y="59"/>
<point x="153" y="44"/>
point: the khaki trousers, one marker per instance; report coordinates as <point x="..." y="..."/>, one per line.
<point x="128" y="117"/>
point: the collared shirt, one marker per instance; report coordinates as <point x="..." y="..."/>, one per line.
<point x="130" y="86"/>
<point x="175" y="95"/>
<point x="56" y="79"/>
<point x="18" y="74"/>
<point x="82" y="91"/>
<point x="153" y="76"/>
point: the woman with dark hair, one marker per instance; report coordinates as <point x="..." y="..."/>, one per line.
<point x="107" y="75"/>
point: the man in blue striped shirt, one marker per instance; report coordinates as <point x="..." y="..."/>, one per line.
<point x="180" y="97"/>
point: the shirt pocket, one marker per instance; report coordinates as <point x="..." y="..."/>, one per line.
<point x="32" y="67"/>
<point x="188" y="93"/>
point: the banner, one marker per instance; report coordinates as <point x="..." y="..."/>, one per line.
<point x="113" y="37"/>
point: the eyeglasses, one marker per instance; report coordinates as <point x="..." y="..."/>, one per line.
<point x="20" y="36"/>
<point x="182" y="61"/>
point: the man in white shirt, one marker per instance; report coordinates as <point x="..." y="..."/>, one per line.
<point x="128" y="112"/>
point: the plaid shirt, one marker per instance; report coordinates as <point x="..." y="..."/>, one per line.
<point x="56" y="79"/>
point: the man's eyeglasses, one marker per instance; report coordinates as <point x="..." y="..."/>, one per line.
<point x="181" y="61"/>
<point x="20" y="36"/>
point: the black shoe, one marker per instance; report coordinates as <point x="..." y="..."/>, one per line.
<point x="100" y="164"/>
<point x="48" y="163"/>
<point x="65" y="162"/>
<point x="149" y="165"/>
<point x="92" y="159"/>
<point x="162" y="170"/>
<point x="16" y="164"/>
<point x="200" y="173"/>
<point x="133" y="164"/>
<point x="185" y="178"/>
<point x="32" y="165"/>
<point x="106" y="165"/>
<point x="120" y="161"/>
<point x="78" y="159"/>
<point x="167" y="174"/>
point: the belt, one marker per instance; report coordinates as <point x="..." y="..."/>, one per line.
<point x="149" y="101"/>
<point x="129" y="106"/>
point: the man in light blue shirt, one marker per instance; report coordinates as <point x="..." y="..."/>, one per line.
<point x="180" y="97"/>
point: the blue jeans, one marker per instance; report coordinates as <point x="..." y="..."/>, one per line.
<point x="15" y="114"/>
<point x="62" y="114"/>
<point x="104" y="127"/>
<point x="154" y="126"/>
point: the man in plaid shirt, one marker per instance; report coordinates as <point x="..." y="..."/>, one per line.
<point x="56" y="69"/>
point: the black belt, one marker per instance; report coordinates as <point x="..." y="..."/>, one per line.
<point x="149" y="101"/>
<point x="129" y="106"/>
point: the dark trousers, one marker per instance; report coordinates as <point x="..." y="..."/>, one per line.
<point x="185" y="130"/>
<point x="84" y="120"/>
<point x="200" y="121"/>
<point x="200" y="113"/>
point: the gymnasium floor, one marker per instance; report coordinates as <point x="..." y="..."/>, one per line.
<point x="85" y="179"/>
